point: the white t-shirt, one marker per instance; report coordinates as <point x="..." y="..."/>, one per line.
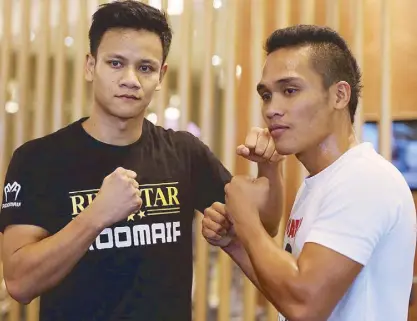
<point x="361" y="207"/>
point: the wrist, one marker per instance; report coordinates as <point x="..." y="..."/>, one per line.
<point x="92" y="218"/>
<point x="271" y="169"/>
<point x="233" y="245"/>
<point x="249" y="231"/>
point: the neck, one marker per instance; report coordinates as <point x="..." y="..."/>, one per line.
<point x="328" y="151"/>
<point x="113" y="130"/>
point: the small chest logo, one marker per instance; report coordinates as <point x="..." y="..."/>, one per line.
<point x="293" y="227"/>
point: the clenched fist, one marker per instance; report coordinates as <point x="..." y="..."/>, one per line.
<point x="217" y="229"/>
<point x="118" y="197"/>
<point x="259" y="147"/>
<point x="246" y="196"/>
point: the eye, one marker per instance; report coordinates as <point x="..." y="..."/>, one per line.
<point x="290" y="91"/>
<point x="115" y="63"/>
<point x="266" y="96"/>
<point x="146" y="68"/>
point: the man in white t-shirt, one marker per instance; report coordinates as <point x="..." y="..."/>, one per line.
<point x="350" y="240"/>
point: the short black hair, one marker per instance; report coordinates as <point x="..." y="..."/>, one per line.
<point x="129" y="14"/>
<point x="331" y="56"/>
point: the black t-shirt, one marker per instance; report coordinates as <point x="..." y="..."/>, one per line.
<point x="137" y="269"/>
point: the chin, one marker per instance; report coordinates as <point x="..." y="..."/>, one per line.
<point x="127" y="113"/>
<point x="286" y="149"/>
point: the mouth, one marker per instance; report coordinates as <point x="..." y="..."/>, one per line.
<point x="128" y="97"/>
<point x="277" y="130"/>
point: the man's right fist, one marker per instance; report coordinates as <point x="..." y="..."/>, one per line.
<point x="217" y="229"/>
<point x="118" y="197"/>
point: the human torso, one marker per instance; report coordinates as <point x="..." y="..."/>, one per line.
<point x="389" y="269"/>
<point x="141" y="267"/>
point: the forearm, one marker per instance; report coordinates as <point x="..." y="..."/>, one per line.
<point x="272" y="213"/>
<point x="238" y="254"/>
<point x="276" y="271"/>
<point x="37" y="267"/>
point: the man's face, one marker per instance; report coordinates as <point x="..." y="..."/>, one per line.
<point x="126" y="72"/>
<point x="296" y="107"/>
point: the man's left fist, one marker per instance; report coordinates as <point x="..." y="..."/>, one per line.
<point x="259" y="147"/>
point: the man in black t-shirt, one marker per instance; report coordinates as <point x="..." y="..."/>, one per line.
<point x="97" y="217"/>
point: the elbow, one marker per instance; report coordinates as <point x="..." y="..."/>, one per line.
<point x="302" y="307"/>
<point x="18" y="292"/>
<point x="300" y="313"/>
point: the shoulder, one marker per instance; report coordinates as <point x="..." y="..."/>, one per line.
<point x="369" y="172"/>
<point x="370" y="186"/>
<point x="45" y="147"/>
<point x="179" y="139"/>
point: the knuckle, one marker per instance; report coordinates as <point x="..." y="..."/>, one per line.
<point x="119" y="170"/>
<point x="206" y="213"/>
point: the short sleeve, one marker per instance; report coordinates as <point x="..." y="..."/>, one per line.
<point x="23" y="202"/>
<point x="209" y="176"/>
<point x="353" y="218"/>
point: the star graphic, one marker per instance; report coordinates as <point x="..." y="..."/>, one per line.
<point x="141" y="214"/>
<point x="131" y="217"/>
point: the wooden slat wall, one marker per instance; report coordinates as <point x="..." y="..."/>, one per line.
<point x="57" y="94"/>
<point x="6" y="47"/>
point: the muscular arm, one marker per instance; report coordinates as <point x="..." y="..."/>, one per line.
<point x="35" y="262"/>
<point x="303" y="289"/>
<point x="272" y="214"/>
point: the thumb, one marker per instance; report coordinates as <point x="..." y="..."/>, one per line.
<point x="242" y="150"/>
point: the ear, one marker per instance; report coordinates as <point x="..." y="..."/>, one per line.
<point x="90" y="63"/>
<point x="342" y="92"/>
<point x="161" y="76"/>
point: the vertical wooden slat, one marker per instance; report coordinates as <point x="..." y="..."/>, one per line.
<point x="357" y="17"/>
<point x="283" y="13"/>
<point x="32" y="310"/>
<point x="79" y="96"/>
<point x="307" y="12"/>
<point x="185" y="63"/>
<point x="6" y="51"/>
<point x="206" y="102"/>
<point x="59" y="83"/>
<point x="332" y="14"/>
<point x="14" y="313"/>
<point x="4" y="77"/>
<point x="20" y="134"/>
<point x="42" y="72"/>
<point x="206" y="125"/>
<point x="162" y="95"/>
<point x="257" y="57"/>
<point x="228" y="148"/>
<point x="201" y="262"/>
<point x="386" y="123"/>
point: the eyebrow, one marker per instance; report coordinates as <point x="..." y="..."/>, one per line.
<point x="144" y="60"/>
<point x="281" y="81"/>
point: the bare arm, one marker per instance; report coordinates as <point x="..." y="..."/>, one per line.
<point x="35" y="262"/>
<point x="271" y="215"/>
<point x="299" y="289"/>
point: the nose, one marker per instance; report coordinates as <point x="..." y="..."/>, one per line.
<point x="273" y="109"/>
<point x="130" y="79"/>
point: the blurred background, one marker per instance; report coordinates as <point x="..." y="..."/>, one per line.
<point x="210" y="90"/>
